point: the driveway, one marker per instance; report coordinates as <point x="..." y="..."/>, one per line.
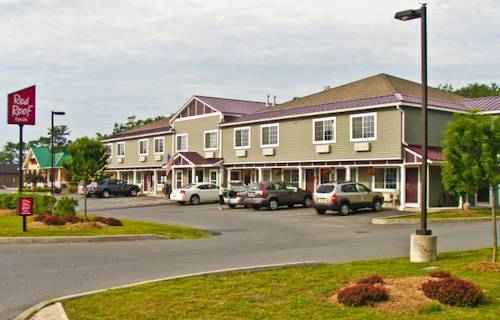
<point x="101" y="204"/>
<point x="32" y="273"/>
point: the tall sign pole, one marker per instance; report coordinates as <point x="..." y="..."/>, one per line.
<point x="21" y="110"/>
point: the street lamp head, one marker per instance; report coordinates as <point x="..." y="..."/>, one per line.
<point x="58" y="113"/>
<point x="408" y="14"/>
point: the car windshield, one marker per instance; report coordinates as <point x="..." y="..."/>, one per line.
<point x="238" y="187"/>
<point x="188" y="186"/>
<point x="325" y="188"/>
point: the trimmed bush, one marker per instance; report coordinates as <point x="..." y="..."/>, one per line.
<point x="73" y="219"/>
<point x="41" y="217"/>
<point x="440" y="274"/>
<point x="54" y="221"/>
<point x="373" y="279"/>
<point x="112" y="222"/>
<point x="362" y="295"/>
<point x="41" y="203"/>
<point x="454" y="292"/>
<point x="65" y="207"/>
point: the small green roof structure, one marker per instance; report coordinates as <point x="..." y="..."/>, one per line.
<point x="43" y="157"/>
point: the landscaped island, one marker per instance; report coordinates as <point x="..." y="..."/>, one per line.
<point x="452" y="214"/>
<point x="298" y="293"/>
<point x="11" y="226"/>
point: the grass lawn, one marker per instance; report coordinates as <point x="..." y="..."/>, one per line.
<point x="11" y="226"/>
<point x="296" y="293"/>
<point x="454" y="213"/>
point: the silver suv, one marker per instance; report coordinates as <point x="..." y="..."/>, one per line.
<point x="342" y="196"/>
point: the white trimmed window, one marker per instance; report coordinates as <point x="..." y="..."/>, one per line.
<point x="159" y="145"/>
<point x="363" y="127"/>
<point x="324" y="130"/>
<point x="386" y="178"/>
<point x="143" y="147"/>
<point x="120" y="149"/>
<point x="181" y="142"/>
<point x="109" y="149"/>
<point x="235" y="176"/>
<point x="242" y="138"/>
<point x="269" y="135"/>
<point x="211" y="139"/>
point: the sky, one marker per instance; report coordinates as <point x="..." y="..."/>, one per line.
<point x="101" y="61"/>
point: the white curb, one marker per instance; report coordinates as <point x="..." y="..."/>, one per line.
<point x="27" y="314"/>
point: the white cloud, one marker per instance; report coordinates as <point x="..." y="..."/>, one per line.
<point x="102" y="61"/>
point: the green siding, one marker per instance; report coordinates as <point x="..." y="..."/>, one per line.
<point x="437" y="124"/>
<point x="131" y="158"/>
<point x="195" y="129"/>
<point x="295" y="140"/>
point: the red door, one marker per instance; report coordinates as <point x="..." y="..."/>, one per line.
<point x="310" y="180"/>
<point x="412" y="185"/>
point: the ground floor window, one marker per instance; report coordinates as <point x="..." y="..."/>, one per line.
<point x="386" y="178"/>
<point x="235" y="176"/>
<point x="178" y="179"/>
<point x="291" y="176"/>
<point x="354" y="174"/>
<point x="340" y="174"/>
<point x="213" y="177"/>
<point x="266" y="174"/>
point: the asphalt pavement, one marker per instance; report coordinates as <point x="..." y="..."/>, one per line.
<point x="36" y="272"/>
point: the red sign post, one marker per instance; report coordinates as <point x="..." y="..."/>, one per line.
<point x="21" y="110"/>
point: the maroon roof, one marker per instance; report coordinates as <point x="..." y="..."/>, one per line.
<point x="484" y="104"/>
<point x="317" y="108"/>
<point x="433" y="153"/>
<point x="232" y="106"/>
<point x="196" y="159"/>
<point x="436" y="103"/>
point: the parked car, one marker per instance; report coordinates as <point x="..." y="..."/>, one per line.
<point x="274" y="194"/>
<point x="343" y="196"/>
<point x="90" y="186"/>
<point x="236" y="195"/>
<point x="196" y="193"/>
<point x="107" y="187"/>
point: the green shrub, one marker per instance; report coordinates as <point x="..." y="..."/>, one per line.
<point x="42" y="204"/>
<point x="432" y="307"/>
<point x="65" y="207"/>
<point x="73" y="188"/>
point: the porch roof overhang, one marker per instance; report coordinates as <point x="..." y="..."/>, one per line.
<point x="193" y="159"/>
<point x="413" y="154"/>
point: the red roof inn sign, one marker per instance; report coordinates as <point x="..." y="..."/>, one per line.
<point x="21" y="107"/>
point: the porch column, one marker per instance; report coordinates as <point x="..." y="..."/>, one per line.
<point x="59" y="178"/>
<point x="402" y="187"/>
<point x="228" y="178"/>
<point x="118" y="176"/>
<point x="134" y="181"/>
<point x="301" y="178"/>
<point x="347" y="173"/>
<point x="260" y="174"/>
<point x="174" y="180"/>
<point x="155" y="181"/>
<point x="221" y="177"/>
<point x="193" y="175"/>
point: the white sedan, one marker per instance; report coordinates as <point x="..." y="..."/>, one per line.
<point x="196" y="193"/>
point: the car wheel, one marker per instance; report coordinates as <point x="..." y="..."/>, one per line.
<point x="133" y="193"/>
<point x="377" y="205"/>
<point x="194" y="200"/>
<point x="273" y="204"/>
<point x="320" y="211"/>
<point x="105" y="194"/>
<point x="307" y="202"/>
<point x="255" y="207"/>
<point x="232" y="206"/>
<point x="344" y="209"/>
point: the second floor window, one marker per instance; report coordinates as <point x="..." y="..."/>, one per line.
<point x="324" y="130"/>
<point x="159" y="145"/>
<point x="109" y="150"/>
<point x="241" y="138"/>
<point x="211" y="138"/>
<point x="120" y="149"/>
<point x="181" y="142"/>
<point x="143" y="147"/>
<point x="364" y="127"/>
<point x="269" y="135"/>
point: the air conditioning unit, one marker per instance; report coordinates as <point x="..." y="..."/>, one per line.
<point x="241" y="153"/>
<point x="142" y="158"/>
<point x="119" y="160"/>
<point x="362" y="146"/>
<point x="158" y="157"/>
<point x="268" y="151"/>
<point x="323" y="148"/>
<point x="209" y="154"/>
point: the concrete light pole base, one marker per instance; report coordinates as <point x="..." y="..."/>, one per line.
<point x="423" y="248"/>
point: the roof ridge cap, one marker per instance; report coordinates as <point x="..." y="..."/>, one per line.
<point x="232" y="99"/>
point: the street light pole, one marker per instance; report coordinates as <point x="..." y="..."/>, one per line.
<point x="422" y="238"/>
<point x="53" y="113"/>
